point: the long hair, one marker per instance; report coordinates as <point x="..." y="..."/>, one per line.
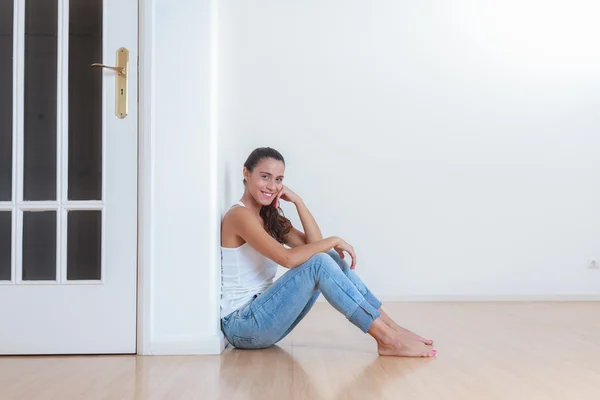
<point x="276" y="224"/>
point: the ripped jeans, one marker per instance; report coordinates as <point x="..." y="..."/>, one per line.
<point x="270" y="316"/>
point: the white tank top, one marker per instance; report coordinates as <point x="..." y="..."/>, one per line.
<point x="244" y="273"/>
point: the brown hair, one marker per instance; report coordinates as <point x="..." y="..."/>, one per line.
<point x="276" y="224"/>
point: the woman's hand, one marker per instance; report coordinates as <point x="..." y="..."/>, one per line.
<point x="343" y="246"/>
<point x="285" y="194"/>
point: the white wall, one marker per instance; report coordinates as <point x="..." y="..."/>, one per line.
<point x="454" y="144"/>
<point x="179" y="254"/>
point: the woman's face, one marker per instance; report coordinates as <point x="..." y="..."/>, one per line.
<point x="265" y="181"/>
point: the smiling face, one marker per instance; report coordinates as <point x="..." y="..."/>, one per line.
<point x="265" y="180"/>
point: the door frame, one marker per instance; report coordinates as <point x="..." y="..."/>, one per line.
<point x="145" y="130"/>
<point x="196" y="142"/>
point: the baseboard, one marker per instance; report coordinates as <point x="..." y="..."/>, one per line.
<point x="187" y="345"/>
<point x="486" y="298"/>
<point x="497" y="297"/>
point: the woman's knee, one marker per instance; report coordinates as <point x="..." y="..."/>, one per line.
<point x="320" y="260"/>
<point x="336" y="257"/>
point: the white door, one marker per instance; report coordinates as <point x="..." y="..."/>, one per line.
<point x="68" y="178"/>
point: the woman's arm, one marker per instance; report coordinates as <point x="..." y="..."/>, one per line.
<point x="312" y="233"/>
<point x="311" y="229"/>
<point x="248" y="228"/>
<point x="295" y="238"/>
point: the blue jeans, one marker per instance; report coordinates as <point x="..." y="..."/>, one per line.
<point x="270" y="316"/>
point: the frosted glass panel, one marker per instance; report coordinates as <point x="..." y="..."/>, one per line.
<point x="6" y="98"/>
<point x="84" y="245"/>
<point x="5" y="245"/>
<point x="39" y="246"/>
<point x="85" y="100"/>
<point x="41" y="20"/>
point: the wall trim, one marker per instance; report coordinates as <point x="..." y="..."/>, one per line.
<point x="187" y="345"/>
<point x="490" y="298"/>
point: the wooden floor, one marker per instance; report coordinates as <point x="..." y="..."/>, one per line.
<point x="485" y="351"/>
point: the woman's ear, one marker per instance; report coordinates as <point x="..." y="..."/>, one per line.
<point x="246" y="174"/>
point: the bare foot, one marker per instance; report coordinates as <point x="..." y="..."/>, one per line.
<point x="403" y="331"/>
<point x="404" y="347"/>
<point x="413" y="335"/>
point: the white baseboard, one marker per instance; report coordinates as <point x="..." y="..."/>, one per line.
<point x="489" y="298"/>
<point x="187" y="345"/>
<point x="486" y="298"/>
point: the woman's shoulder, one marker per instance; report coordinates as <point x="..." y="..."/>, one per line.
<point x="236" y="210"/>
<point x="236" y="213"/>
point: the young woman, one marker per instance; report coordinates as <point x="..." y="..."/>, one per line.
<point x="257" y="313"/>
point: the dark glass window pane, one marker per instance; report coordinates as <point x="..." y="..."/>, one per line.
<point x="85" y="100"/>
<point x="5" y="245"/>
<point x="6" y="98"/>
<point x="39" y="246"/>
<point x="41" y="20"/>
<point x="84" y="245"/>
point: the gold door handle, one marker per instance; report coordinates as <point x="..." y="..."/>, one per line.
<point x="120" y="82"/>
<point x="119" y="70"/>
